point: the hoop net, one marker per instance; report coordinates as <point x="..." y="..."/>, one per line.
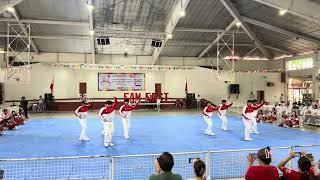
<point x="18" y="74"/>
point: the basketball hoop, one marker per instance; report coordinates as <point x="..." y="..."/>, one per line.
<point x="17" y="80"/>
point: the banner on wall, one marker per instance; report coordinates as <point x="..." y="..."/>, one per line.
<point x="121" y="81"/>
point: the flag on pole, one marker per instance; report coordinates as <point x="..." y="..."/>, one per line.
<point x="51" y="85"/>
<point x="186" y="86"/>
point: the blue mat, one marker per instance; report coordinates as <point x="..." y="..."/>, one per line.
<point x="149" y="134"/>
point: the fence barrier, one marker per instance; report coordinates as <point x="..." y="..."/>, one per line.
<point x="227" y="164"/>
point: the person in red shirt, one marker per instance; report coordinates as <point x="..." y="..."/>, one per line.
<point x="263" y="171"/>
<point x="106" y="114"/>
<point x="222" y="111"/>
<point x="207" y="116"/>
<point x="125" y="113"/>
<point x="305" y="165"/>
<point x="82" y="112"/>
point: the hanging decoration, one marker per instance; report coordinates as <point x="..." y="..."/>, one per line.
<point x="120" y="67"/>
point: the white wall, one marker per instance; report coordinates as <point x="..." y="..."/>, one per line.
<point x="208" y="83"/>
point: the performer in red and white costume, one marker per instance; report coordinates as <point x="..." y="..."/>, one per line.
<point x="106" y="114"/>
<point x="82" y="112"/>
<point x="246" y="118"/>
<point x="256" y="106"/>
<point x="207" y="116"/>
<point x="125" y="113"/>
<point x="222" y="114"/>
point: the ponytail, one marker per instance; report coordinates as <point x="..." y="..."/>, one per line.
<point x="199" y="168"/>
<point x="304" y="164"/>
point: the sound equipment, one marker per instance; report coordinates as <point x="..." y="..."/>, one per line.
<point x="191" y="100"/>
<point x="283" y="77"/>
<point x="156" y="43"/>
<point x="270" y="84"/>
<point x="48" y="97"/>
<point x="103" y="41"/>
<point x="234" y="88"/>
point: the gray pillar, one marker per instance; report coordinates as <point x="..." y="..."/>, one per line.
<point x="286" y="83"/>
<point x="315" y="73"/>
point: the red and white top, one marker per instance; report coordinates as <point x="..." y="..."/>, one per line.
<point x="208" y="111"/>
<point x="125" y="110"/>
<point x="292" y="174"/>
<point x="82" y="111"/>
<point x="223" y="108"/>
<point x="5" y="116"/>
<point x="107" y="112"/>
<point x="247" y="111"/>
<point x="256" y="107"/>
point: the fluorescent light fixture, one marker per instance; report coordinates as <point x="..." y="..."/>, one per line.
<point x="169" y="36"/>
<point x="90" y="7"/>
<point x="91" y="32"/>
<point x="282" y="12"/>
<point x="182" y="13"/>
<point x="10" y="9"/>
<point x="238" y="23"/>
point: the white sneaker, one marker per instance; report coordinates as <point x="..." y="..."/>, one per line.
<point x="84" y="139"/>
<point x="106" y="145"/>
<point x="249" y="139"/>
<point x="210" y="134"/>
<point x="126" y="137"/>
<point x="110" y="144"/>
<point x="256" y="132"/>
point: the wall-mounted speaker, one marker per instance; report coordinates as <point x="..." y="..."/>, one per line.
<point x="234" y="88"/>
<point x="156" y="43"/>
<point x="270" y="84"/>
<point x="103" y="41"/>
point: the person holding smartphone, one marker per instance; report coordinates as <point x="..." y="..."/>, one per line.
<point x="263" y="171"/>
<point x="163" y="168"/>
<point x="305" y="166"/>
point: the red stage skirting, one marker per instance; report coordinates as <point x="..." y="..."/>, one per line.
<point x="72" y="103"/>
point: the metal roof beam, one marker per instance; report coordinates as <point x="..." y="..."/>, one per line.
<point x="174" y="17"/>
<point x="183" y="29"/>
<point x="217" y="39"/>
<point x="44" y="21"/>
<point x="22" y="26"/>
<point x="279" y="30"/>
<point x="91" y="29"/>
<point x="235" y="14"/>
<point x="302" y="8"/>
<point x="5" y="4"/>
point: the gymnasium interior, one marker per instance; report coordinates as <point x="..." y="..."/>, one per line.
<point x="173" y="61"/>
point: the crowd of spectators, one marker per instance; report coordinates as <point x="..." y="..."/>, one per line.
<point x="259" y="167"/>
<point x="290" y="115"/>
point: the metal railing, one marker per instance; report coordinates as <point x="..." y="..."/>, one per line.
<point x="226" y="164"/>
